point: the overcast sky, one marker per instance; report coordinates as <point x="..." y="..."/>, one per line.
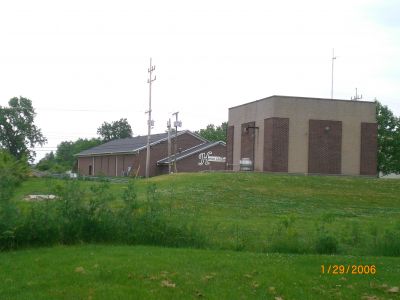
<point x="85" y="62"/>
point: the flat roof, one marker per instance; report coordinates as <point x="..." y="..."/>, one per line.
<point x="306" y="98"/>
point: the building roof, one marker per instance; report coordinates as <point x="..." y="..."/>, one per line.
<point x="129" y="145"/>
<point x="190" y="151"/>
<point x="307" y="98"/>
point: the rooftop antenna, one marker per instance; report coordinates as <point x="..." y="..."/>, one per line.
<point x="356" y="97"/>
<point x="333" y="59"/>
<point x="150" y="122"/>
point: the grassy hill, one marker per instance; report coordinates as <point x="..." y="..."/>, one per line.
<point x="282" y="225"/>
<point x="273" y="213"/>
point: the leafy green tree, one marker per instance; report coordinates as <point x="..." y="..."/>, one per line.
<point x="214" y="133"/>
<point x="388" y="140"/>
<point x="64" y="159"/>
<point x="115" y="130"/>
<point x="47" y="162"/>
<point x="67" y="149"/>
<point x="18" y="131"/>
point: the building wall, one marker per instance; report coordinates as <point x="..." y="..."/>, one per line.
<point x="192" y="163"/>
<point x="325" y="147"/>
<point x="160" y="151"/>
<point x="247" y="138"/>
<point x="250" y="112"/>
<point x="369" y="148"/>
<point x="276" y="144"/>
<point x="299" y="111"/>
<point x="83" y="165"/>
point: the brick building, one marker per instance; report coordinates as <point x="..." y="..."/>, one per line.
<point x="304" y="135"/>
<point x="127" y="157"/>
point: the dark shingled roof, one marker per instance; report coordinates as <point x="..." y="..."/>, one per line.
<point x="190" y="151"/>
<point x="129" y="145"/>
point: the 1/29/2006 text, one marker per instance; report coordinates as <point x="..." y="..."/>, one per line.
<point x="348" y="269"/>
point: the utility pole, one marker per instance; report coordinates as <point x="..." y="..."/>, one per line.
<point x="169" y="145"/>
<point x="150" y="122"/>
<point x="176" y="124"/>
<point x="333" y="59"/>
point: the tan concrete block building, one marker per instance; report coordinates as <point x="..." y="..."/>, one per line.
<point x="304" y="135"/>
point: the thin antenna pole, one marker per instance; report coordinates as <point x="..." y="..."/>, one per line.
<point x="150" y="122"/>
<point x="333" y="59"/>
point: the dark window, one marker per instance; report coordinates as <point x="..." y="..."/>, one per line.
<point x="90" y="169"/>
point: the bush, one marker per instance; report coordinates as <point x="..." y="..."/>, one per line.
<point x="90" y="215"/>
<point x="12" y="173"/>
<point x="389" y="243"/>
<point x="285" y="238"/>
<point x="325" y="242"/>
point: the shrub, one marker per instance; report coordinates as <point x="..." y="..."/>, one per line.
<point x="87" y="215"/>
<point x="285" y="238"/>
<point x="12" y="173"/>
<point x="325" y="242"/>
<point x="389" y="243"/>
<point x="39" y="226"/>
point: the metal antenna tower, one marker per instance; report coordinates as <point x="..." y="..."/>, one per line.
<point x="150" y="122"/>
<point x="333" y="59"/>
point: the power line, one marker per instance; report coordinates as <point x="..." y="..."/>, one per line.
<point x="83" y="110"/>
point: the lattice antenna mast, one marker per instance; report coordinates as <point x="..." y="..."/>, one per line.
<point x="150" y="122"/>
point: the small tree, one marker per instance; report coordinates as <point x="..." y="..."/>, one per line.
<point x="47" y="162"/>
<point x="214" y="133"/>
<point x="64" y="159"/>
<point x="115" y="130"/>
<point x="388" y="140"/>
<point x="12" y="173"/>
<point x="18" y="131"/>
<point x="67" y="149"/>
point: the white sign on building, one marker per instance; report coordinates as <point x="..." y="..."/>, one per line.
<point x="206" y="158"/>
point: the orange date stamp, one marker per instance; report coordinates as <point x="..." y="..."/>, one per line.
<point x="348" y="269"/>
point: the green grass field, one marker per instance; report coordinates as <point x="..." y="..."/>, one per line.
<point x="279" y="223"/>
<point x="247" y="210"/>
<point x="138" y="272"/>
